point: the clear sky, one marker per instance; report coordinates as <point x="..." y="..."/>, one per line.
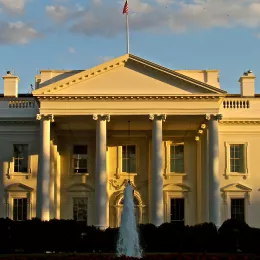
<point x="178" y="34"/>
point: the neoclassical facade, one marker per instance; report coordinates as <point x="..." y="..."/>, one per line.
<point x="188" y="147"/>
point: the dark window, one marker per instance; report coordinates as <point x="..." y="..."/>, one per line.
<point x="20" y="209"/>
<point x="177" y="158"/>
<point x="80" y="209"/>
<point x="237" y="158"/>
<point x="129" y="158"/>
<point x="80" y="158"/>
<point x="177" y="211"/>
<point x="238" y="209"/>
<point x="21" y="158"/>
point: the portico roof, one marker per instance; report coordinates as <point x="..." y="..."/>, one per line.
<point x="128" y="75"/>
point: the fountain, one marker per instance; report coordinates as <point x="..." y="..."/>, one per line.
<point x="128" y="241"/>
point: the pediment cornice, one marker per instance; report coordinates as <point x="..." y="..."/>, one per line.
<point x="54" y="88"/>
<point x="235" y="187"/>
<point x="130" y="97"/>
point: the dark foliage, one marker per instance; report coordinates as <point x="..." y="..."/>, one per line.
<point x="68" y="236"/>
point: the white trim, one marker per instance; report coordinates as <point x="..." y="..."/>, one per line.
<point x="227" y="153"/>
<point x="81" y="191"/>
<point x="11" y="195"/>
<point x="11" y="171"/>
<point x="236" y="195"/>
<point x="168" y="195"/>
<point x="235" y="191"/>
<point x="167" y="163"/>
<point x="71" y="161"/>
<point x="119" y="170"/>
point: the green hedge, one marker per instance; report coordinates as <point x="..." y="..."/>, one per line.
<point x="35" y="236"/>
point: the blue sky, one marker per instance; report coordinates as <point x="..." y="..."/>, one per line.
<point x="179" y="34"/>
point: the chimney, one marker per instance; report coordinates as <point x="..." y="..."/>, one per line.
<point x="247" y="84"/>
<point x="10" y="85"/>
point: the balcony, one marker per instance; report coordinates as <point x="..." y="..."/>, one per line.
<point x="18" y="108"/>
<point x="236" y="104"/>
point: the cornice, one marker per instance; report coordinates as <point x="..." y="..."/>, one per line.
<point x="132" y="97"/>
<point x="240" y="122"/>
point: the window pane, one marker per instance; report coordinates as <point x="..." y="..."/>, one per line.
<point x="20" y="209"/>
<point x="177" y="158"/>
<point x="21" y="158"/>
<point x="129" y="158"/>
<point x="80" y="158"/>
<point x="177" y="211"/>
<point x="80" y="209"/>
<point x="238" y="209"/>
<point x="237" y="158"/>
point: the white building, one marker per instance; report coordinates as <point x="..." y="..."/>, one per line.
<point x="189" y="148"/>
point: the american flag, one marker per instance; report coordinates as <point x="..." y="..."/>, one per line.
<point x="125" y="10"/>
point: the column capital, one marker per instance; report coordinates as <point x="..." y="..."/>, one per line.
<point x="217" y="117"/>
<point x="158" y="117"/>
<point x="101" y="117"/>
<point x="45" y="117"/>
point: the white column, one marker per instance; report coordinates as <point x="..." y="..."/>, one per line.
<point x="157" y="170"/>
<point x="101" y="204"/>
<point x="43" y="177"/>
<point x="214" y="178"/>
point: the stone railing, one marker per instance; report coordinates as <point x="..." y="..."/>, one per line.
<point x="21" y="104"/>
<point x="236" y="104"/>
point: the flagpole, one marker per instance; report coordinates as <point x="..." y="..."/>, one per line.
<point x="127" y="34"/>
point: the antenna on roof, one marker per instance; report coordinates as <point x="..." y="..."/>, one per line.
<point x="31" y="89"/>
<point x="13" y="71"/>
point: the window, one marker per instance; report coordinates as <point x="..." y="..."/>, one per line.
<point x="177" y="211"/>
<point x="80" y="159"/>
<point x="237" y="158"/>
<point x="238" y="209"/>
<point x="20" y="209"/>
<point x="177" y="158"/>
<point x="80" y="209"/>
<point x="129" y="158"/>
<point x="20" y="158"/>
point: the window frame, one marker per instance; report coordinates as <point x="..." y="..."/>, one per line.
<point x="235" y="191"/>
<point x="120" y="159"/>
<point x="227" y="152"/>
<point x="168" y="195"/>
<point x="167" y="168"/>
<point x="72" y="173"/>
<point x="13" y="194"/>
<point x="26" y="208"/>
<point x="232" y="198"/>
<point x="184" y="201"/>
<point x="81" y="190"/>
<point x="11" y="171"/>
<point x="238" y="196"/>
<point x="80" y="197"/>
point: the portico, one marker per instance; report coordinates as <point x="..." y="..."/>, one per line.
<point x="164" y="108"/>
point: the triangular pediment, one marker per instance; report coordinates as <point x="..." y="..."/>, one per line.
<point x="78" y="187"/>
<point x="18" y="187"/>
<point x="128" y="75"/>
<point x="234" y="187"/>
<point x="176" y="187"/>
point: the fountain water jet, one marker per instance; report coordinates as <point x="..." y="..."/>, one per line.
<point x="128" y="241"/>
